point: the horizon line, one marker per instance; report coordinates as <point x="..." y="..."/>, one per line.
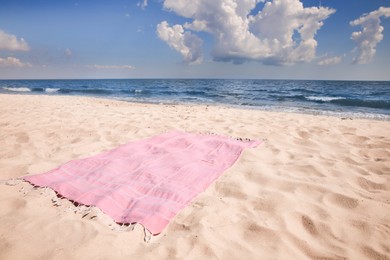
<point x="189" y="78"/>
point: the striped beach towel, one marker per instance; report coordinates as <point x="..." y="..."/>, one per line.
<point x="147" y="181"/>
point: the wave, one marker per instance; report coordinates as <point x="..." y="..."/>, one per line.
<point x="342" y="101"/>
<point x="51" y="90"/>
<point x="24" y="89"/>
<point x="96" y="91"/>
<point x="323" y="98"/>
<point x="17" y="89"/>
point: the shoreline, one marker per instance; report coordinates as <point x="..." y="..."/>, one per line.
<point x="277" y="109"/>
<point x="317" y="187"/>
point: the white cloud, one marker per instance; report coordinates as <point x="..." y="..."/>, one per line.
<point x="143" y="4"/>
<point x="330" y="61"/>
<point x="128" y="67"/>
<point x="370" y="35"/>
<point x="186" y="43"/>
<point x="68" y="52"/>
<point x="12" y="43"/>
<point x="13" y="62"/>
<point x="281" y="33"/>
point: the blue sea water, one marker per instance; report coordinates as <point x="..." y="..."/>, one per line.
<point x="363" y="99"/>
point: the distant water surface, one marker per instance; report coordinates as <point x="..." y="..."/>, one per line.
<point x="364" y="99"/>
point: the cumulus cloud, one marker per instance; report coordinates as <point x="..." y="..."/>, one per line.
<point x="143" y="4"/>
<point x="95" y="66"/>
<point x="330" y="61"/>
<point x="281" y="33"/>
<point x="186" y="43"/>
<point x="370" y="35"/>
<point x="12" y="43"/>
<point x="13" y="62"/>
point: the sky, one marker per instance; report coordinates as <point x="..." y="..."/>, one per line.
<point x="256" y="39"/>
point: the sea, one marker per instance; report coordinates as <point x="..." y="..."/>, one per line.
<point x="349" y="99"/>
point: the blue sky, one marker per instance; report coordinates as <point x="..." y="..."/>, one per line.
<point x="278" y="39"/>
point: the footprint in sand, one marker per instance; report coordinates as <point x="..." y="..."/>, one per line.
<point x="377" y="154"/>
<point x="304" y="134"/>
<point x="372" y="254"/>
<point x="22" y="137"/>
<point x="342" y="201"/>
<point x="309" y="226"/>
<point x="234" y="191"/>
<point x="254" y="231"/>
<point x="369" y="185"/>
<point x="357" y="139"/>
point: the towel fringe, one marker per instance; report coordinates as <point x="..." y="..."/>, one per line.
<point x="241" y="139"/>
<point x="15" y="182"/>
<point x="148" y="235"/>
<point x="85" y="211"/>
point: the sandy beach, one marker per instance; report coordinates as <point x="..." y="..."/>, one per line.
<point x="318" y="187"/>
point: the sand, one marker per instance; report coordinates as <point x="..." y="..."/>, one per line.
<point x="317" y="188"/>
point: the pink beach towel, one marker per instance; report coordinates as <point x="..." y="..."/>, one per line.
<point x="147" y="181"/>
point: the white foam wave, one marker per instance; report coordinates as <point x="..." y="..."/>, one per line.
<point x="51" y="90"/>
<point x="340" y="114"/>
<point x="323" y="98"/>
<point x="17" y="89"/>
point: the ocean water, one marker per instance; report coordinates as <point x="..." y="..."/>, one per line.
<point x="362" y="99"/>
